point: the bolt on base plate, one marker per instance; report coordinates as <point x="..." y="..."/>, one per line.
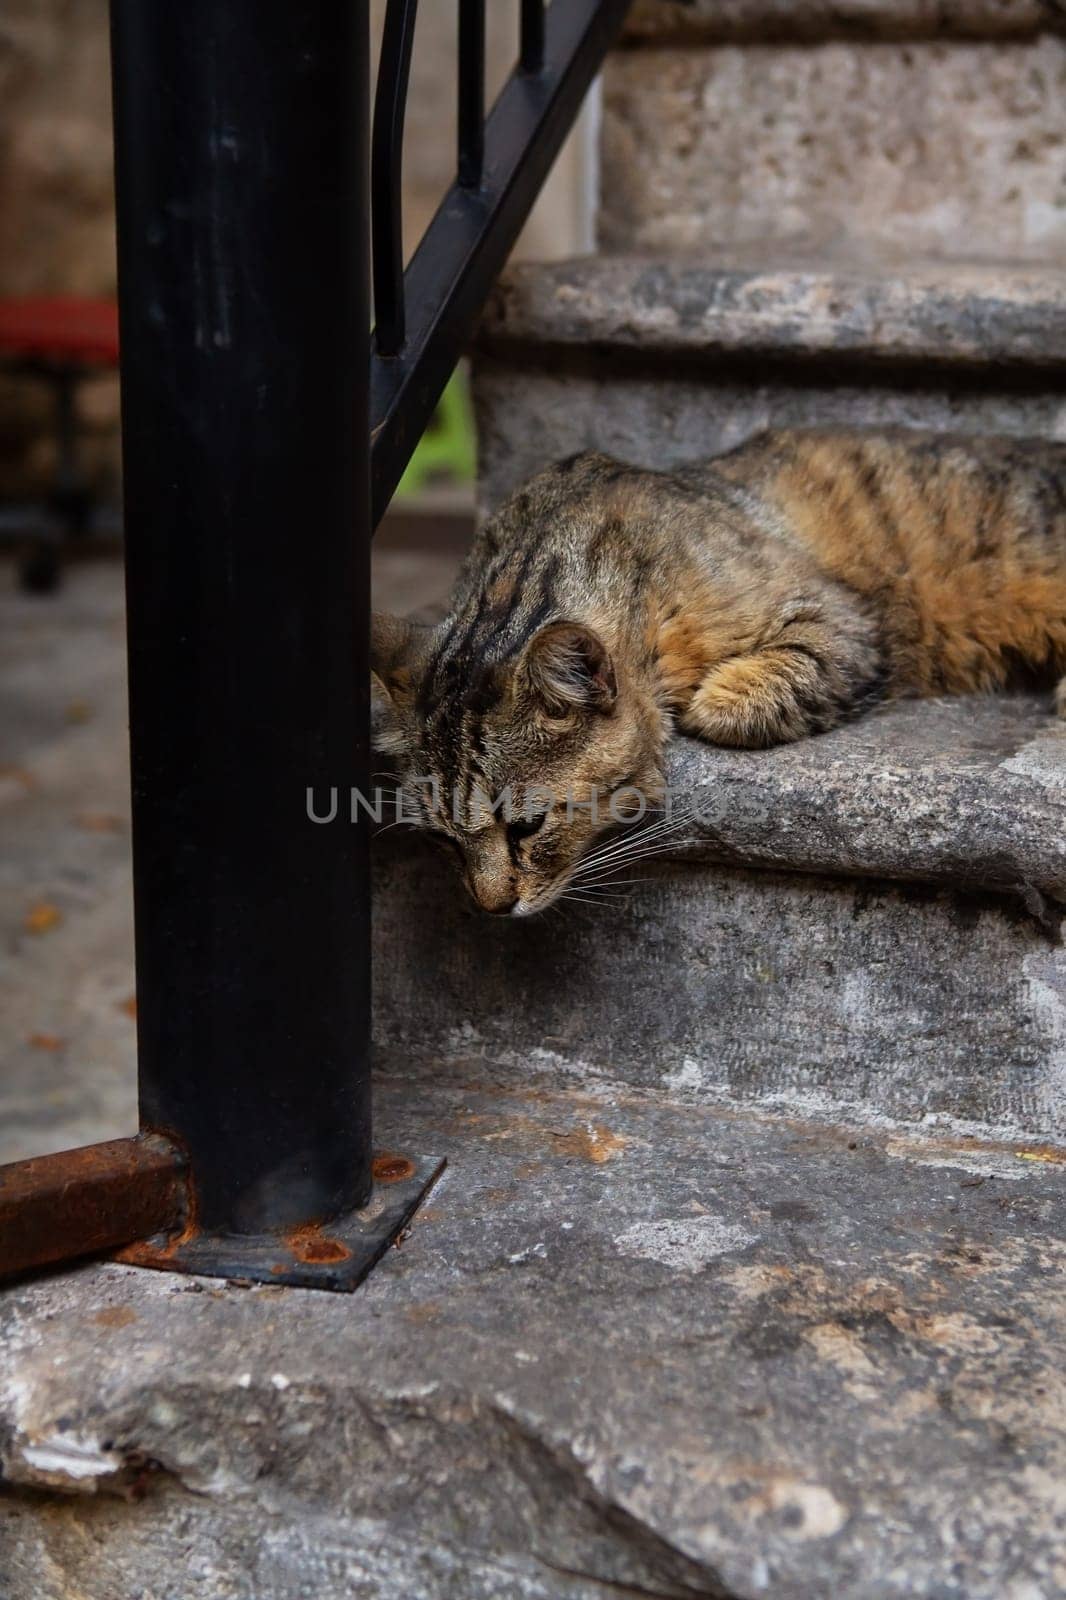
<point x="329" y="1255"/>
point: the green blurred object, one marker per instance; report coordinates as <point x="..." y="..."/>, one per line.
<point x="446" y="449"/>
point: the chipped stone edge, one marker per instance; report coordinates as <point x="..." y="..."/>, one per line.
<point x="956" y="314"/>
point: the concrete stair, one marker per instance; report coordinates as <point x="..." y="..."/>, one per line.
<point x="811" y="214"/>
<point x="863" y="928"/>
<point x="670" y="359"/>
<point x="630" y="1348"/>
<point x="906" y="124"/>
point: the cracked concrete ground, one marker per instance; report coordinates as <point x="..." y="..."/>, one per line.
<point x="629" y="1346"/>
<point x="626" y="1348"/>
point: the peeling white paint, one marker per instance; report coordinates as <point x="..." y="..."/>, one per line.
<point x="685" y="1243"/>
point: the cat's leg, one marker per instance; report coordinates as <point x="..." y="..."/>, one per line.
<point x="769" y="697"/>
<point x="805" y="682"/>
<point x="1060" y="698"/>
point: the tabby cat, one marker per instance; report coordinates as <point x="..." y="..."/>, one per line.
<point x="758" y="597"/>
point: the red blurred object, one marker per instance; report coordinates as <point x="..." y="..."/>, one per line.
<point x="59" y="329"/>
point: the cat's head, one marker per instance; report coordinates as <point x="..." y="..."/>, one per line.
<point x="520" y="763"/>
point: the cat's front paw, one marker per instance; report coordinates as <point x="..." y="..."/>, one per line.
<point x="753" y="701"/>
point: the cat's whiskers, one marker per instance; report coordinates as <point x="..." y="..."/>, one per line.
<point x="648" y="855"/>
<point x="602" y="864"/>
<point x="617" y="848"/>
<point x="606" y="872"/>
<point x="398" y="822"/>
<point x="583" y="899"/>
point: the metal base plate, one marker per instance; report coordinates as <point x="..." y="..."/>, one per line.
<point x="330" y="1255"/>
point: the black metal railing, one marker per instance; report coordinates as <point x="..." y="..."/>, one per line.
<point x="425" y="317"/>
<point x="263" y="435"/>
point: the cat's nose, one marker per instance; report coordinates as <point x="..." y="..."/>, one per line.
<point x="500" y="905"/>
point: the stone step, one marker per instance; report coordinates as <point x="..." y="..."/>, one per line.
<point x="627" y="1348"/>
<point x="765" y="302"/>
<point x="865" y="925"/>
<point x="764" y="21"/>
<point x="665" y="360"/>
<point x="948" y="146"/>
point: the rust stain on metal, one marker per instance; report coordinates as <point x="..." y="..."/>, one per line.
<point x="309" y="1244"/>
<point x="154" y="1252"/>
<point x="80" y="1202"/>
<point x="389" y="1168"/>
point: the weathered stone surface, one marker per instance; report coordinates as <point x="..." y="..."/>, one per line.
<point x="537" y="407"/>
<point x="625" y="1348"/>
<point x="968" y="792"/>
<point x="742" y="304"/>
<point x="948" y="149"/>
<point x="760" y="21"/>
<point x="840" y="998"/>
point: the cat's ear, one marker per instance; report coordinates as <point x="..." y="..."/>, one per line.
<point x="391" y="639"/>
<point x="395" y="659"/>
<point x="567" y="667"/>
<point x="397" y="652"/>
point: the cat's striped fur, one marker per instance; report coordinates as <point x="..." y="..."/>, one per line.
<point x="758" y="597"/>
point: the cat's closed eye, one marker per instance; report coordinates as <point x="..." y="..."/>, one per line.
<point x="526" y="827"/>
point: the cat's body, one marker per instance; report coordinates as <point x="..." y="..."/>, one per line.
<point x="754" y="598"/>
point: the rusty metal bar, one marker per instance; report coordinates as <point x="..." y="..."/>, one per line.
<point x="81" y="1202"/>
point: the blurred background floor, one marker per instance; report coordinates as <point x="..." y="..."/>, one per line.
<point x="67" y="993"/>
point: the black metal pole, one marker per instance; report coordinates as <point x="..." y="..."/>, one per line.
<point x="241" y="163"/>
